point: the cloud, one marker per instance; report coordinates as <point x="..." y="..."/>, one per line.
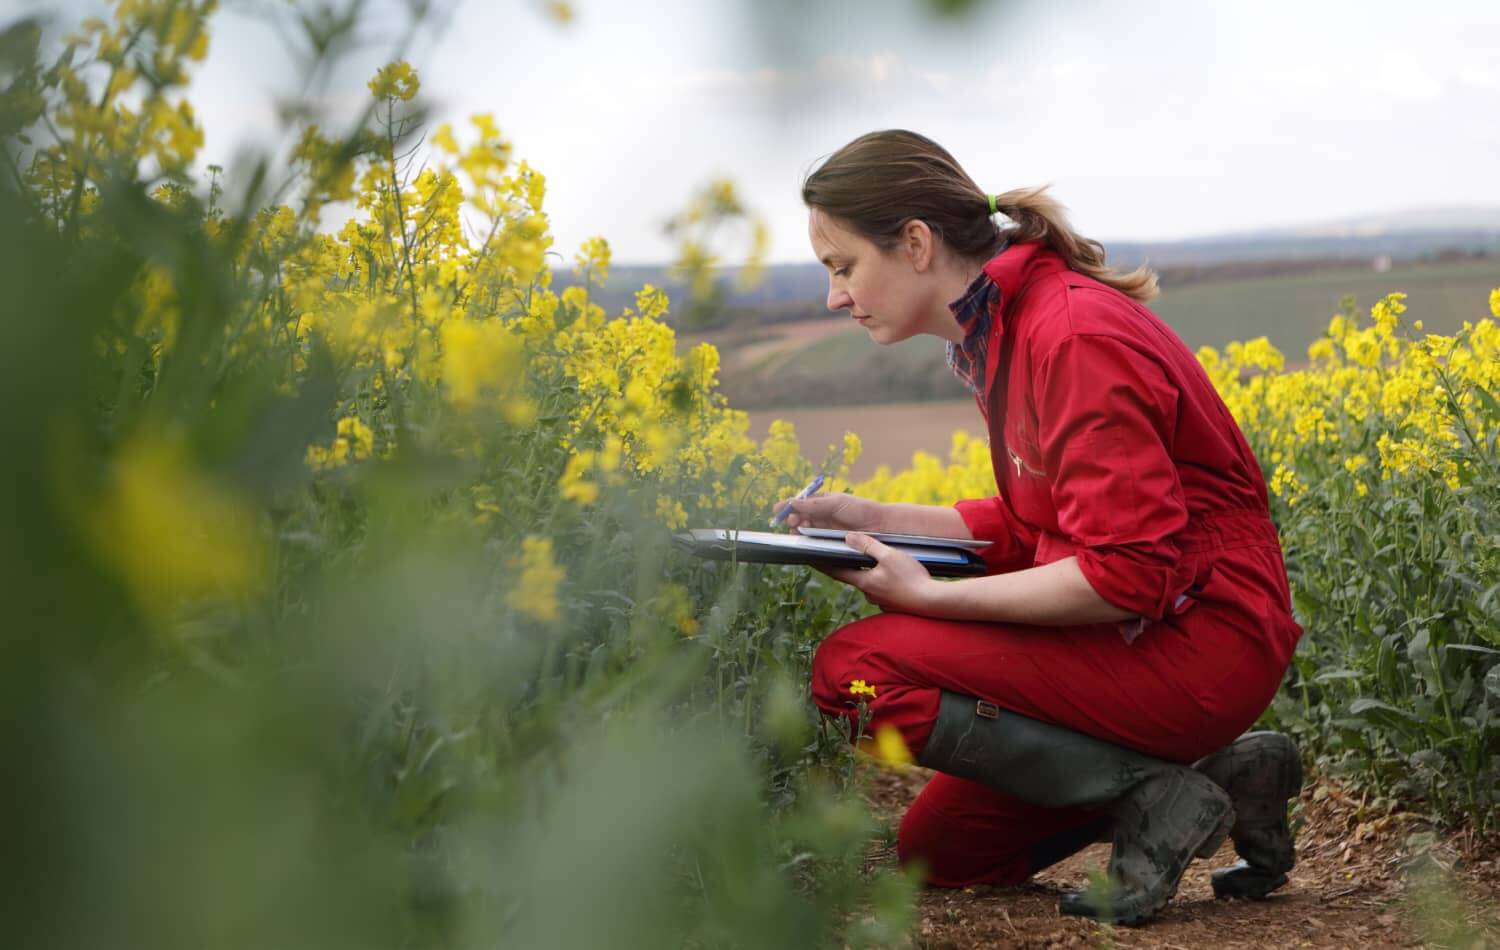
<point x="839" y="79"/>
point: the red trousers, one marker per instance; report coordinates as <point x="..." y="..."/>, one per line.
<point x="1178" y="692"/>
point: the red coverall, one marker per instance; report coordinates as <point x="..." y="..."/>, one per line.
<point x="1110" y="443"/>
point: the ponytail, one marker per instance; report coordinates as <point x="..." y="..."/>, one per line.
<point x="1038" y="217"/>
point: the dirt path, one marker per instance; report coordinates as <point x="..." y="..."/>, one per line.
<point x="1362" y="880"/>
<point x="745" y="345"/>
<point x="890" y="432"/>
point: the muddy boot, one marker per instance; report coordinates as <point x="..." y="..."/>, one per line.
<point x="1164" y="814"/>
<point x="1261" y="771"/>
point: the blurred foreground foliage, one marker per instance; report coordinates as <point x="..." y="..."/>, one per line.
<point x="341" y="605"/>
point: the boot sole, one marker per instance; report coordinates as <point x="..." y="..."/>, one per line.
<point x="1243" y="882"/>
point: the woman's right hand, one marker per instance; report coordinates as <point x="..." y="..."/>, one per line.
<point x="833" y="510"/>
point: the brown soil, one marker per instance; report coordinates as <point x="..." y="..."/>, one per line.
<point x="890" y="432"/>
<point x="1362" y="880"/>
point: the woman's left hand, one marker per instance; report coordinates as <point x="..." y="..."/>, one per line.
<point x="898" y="582"/>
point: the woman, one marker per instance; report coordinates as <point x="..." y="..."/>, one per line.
<point x="1136" y="616"/>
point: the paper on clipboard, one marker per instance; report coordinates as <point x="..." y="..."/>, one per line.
<point x="764" y="547"/>
<point x="885" y="537"/>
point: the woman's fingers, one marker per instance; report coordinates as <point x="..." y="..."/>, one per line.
<point x="793" y="516"/>
<point x="830" y="510"/>
<point x="815" y="511"/>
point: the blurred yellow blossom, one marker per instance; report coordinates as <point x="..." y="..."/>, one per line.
<point x="352" y="440"/>
<point x="890" y="746"/>
<point x="671" y="513"/>
<point x="480" y="358"/>
<point x="174" y="533"/>
<point x="395" y="81"/>
<point x="574" y="485"/>
<point x="361" y="440"/>
<point x="535" y="580"/>
<point x="673" y="604"/>
<point x="592" y="260"/>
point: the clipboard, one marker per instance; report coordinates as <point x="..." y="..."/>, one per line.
<point x="765" y="547"/>
<point x="894" y="539"/>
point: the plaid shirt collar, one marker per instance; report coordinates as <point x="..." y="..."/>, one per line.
<point x="973" y="311"/>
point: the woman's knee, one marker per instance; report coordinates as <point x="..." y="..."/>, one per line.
<point x="842" y="658"/>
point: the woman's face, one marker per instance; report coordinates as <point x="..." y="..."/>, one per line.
<point x="880" y="289"/>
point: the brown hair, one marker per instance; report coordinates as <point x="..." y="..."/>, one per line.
<point x="882" y="180"/>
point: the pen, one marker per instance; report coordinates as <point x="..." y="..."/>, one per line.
<point x="786" y="509"/>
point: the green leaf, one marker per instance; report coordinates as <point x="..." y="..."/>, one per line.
<point x="1471" y="648"/>
<point x="1329" y="676"/>
<point x="1373" y="709"/>
<point x="1489" y="401"/>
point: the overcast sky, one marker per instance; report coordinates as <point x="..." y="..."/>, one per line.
<point x="1152" y="120"/>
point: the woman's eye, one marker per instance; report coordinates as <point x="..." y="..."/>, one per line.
<point x="840" y="271"/>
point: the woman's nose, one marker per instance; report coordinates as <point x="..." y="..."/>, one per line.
<point x="839" y="299"/>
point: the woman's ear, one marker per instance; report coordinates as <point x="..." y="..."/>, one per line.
<point x="918" y="240"/>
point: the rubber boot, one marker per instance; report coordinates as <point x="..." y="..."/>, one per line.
<point x="1261" y="771"/>
<point x="1164" y="813"/>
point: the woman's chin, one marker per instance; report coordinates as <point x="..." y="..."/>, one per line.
<point x="885" y="335"/>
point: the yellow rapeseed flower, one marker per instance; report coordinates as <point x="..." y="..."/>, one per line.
<point x="361" y="440"/>
<point x="395" y="81"/>
<point x="533" y="591"/>
<point x="1363" y="347"/>
<point x="671" y="513"/>
<point x="853" y="447"/>
<point x="574" y="484"/>
<point x="781" y="449"/>
<point x="352" y="439"/>
<point x="651" y="302"/>
<point x="593" y="259"/>
<point x="1286" y="484"/>
<point x="1387" y="312"/>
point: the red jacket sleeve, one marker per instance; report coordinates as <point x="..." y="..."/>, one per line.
<point x="989" y="520"/>
<point x="1106" y="415"/>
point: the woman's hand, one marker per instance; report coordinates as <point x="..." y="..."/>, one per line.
<point x="833" y="510"/>
<point x="897" y="582"/>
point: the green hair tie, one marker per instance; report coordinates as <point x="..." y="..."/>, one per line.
<point x="993" y="209"/>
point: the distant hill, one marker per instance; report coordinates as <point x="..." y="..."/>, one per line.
<point x="1414" y="219"/>
<point x="796" y="291"/>
<point x="827" y="361"/>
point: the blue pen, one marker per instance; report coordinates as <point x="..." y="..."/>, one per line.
<point x="786" y="509"/>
